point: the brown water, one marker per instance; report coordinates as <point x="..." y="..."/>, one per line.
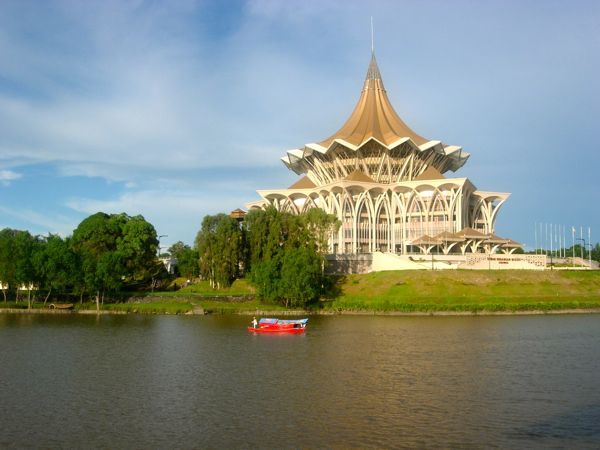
<point x="70" y="381"/>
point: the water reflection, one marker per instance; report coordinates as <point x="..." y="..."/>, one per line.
<point x="181" y="382"/>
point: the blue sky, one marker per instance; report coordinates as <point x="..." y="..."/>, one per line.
<point x="178" y="109"/>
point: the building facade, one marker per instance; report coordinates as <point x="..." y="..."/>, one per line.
<point x="389" y="187"/>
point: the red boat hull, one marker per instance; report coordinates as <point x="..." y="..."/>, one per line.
<point x="276" y="330"/>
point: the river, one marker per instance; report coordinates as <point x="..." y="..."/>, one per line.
<point x="128" y="381"/>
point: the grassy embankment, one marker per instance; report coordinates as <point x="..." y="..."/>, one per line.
<point x="392" y="291"/>
<point x="403" y="291"/>
<point x="198" y="296"/>
<point x="475" y="291"/>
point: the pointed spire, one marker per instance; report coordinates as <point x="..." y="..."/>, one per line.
<point x="374" y="116"/>
<point x="372" y="40"/>
<point x="373" y="70"/>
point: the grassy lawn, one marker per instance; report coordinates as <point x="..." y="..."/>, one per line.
<point x="203" y="288"/>
<point x="239" y="287"/>
<point x="409" y="291"/>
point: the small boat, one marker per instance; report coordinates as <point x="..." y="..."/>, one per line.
<point x="269" y="325"/>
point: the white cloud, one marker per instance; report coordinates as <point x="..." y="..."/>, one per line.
<point x="144" y="86"/>
<point x="6" y="176"/>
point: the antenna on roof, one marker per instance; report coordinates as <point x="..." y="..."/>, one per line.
<point x="372" y="40"/>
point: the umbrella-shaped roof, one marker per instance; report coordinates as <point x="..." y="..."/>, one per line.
<point x="426" y="240"/>
<point x="374" y="116"/>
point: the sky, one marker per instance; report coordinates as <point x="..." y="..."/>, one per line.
<point x="178" y="109"/>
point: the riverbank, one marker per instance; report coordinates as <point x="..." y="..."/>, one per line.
<point x="267" y="313"/>
<point x="439" y="293"/>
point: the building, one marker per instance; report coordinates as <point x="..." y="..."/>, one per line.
<point x="391" y="189"/>
<point x="170" y="263"/>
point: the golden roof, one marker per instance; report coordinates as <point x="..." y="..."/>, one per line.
<point x="470" y="233"/>
<point x="237" y="214"/>
<point x="357" y="175"/>
<point x="374" y="116"/>
<point x="426" y="240"/>
<point x="512" y="244"/>
<point x="431" y="173"/>
<point x="447" y="236"/>
<point x="303" y="183"/>
<point x="493" y="239"/>
<point x="373" y="119"/>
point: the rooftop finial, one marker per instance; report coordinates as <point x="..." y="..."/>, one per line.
<point x="373" y="71"/>
<point x="372" y="40"/>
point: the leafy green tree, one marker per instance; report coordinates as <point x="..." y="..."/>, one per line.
<point x="113" y="249"/>
<point x="287" y="261"/>
<point x="265" y="277"/>
<point x="56" y="265"/>
<point x="220" y="244"/>
<point x="596" y="252"/>
<point x="266" y="234"/>
<point x="25" y="275"/>
<point x="177" y="249"/>
<point x="187" y="259"/>
<point x="7" y="267"/>
<point x="137" y="245"/>
<point x="319" y="226"/>
<point x="301" y="276"/>
<point x="95" y="241"/>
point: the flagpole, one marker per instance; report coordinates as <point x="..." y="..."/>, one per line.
<point x="590" y="243"/>
<point x="557" y="240"/>
<point x="541" y="237"/>
<point x="560" y="241"/>
<point x="564" y="244"/>
<point x="551" y="233"/>
<point x="581" y="237"/>
<point x="573" y="235"/>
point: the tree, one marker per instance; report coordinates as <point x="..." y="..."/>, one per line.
<point x="301" y="276"/>
<point x="265" y="234"/>
<point x="220" y="244"/>
<point x="94" y="239"/>
<point x="137" y="245"/>
<point x="319" y="225"/>
<point x="596" y="252"/>
<point x="187" y="259"/>
<point x="265" y="277"/>
<point x="25" y="276"/>
<point x="287" y="261"/>
<point x="56" y="265"/>
<point x="17" y="249"/>
<point x="113" y="249"/>
<point x="7" y="266"/>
